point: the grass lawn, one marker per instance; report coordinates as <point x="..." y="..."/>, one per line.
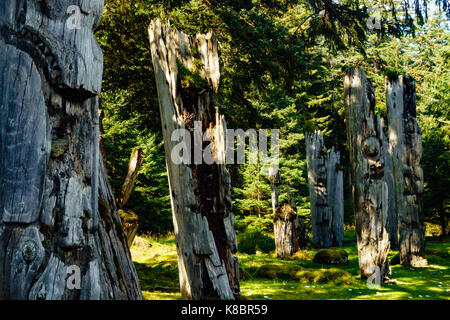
<point x="265" y="277"/>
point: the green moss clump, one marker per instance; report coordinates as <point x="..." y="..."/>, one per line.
<point x="275" y="271"/>
<point x="128" y="216"/>
<point x="285" y="213"/>
<point x="322" y="276"/>
<point x="189" y="80"/>
<point x="331" y="256"/>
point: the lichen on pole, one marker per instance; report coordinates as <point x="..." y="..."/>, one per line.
<point x="406" y="147"/>
<point x="370" y="192"/>
<point x="187" y="77"/>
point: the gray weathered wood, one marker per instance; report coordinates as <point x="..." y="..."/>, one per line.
<point x="389" y="179"/>
<point x="200" y="193"/>
<point x="370" y="191"/>
<point x="406" y="146"/>
<point x="129" y="219"/>
<point x="316" y="158"/>
<point x="284" y="219"/>
<point x="51" y="172"/>
<point x="335" y="197"/>
<point x="134" y="165"/>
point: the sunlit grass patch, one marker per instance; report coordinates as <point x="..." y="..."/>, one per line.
<point x="264" y="276"/>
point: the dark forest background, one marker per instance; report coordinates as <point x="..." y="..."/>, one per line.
<point x="282" y="67"/>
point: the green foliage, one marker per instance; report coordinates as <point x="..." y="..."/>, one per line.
<point x="281" y="67"/>
<point x="252" y="241"/>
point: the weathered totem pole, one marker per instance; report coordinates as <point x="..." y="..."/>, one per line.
<point x="60" y="233"/>
<point x="389" y="179"/>
<point x="200" y="192"/>
<point x="335" y="197"/>
<point x="316" y="158"/>
<point x="326" y="190"/>
<point x="370" y="192"/>
<point x="406" y="146"/>
<point x="284" y="219"/>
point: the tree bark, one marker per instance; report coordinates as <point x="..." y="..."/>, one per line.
<point x="406" y="143"/>
<point x="335" y="191"/>
<point x="316" y="157"/>
<point x="57" y="212"/>
<point x="200" y="192"/>
<point x="370" y="192"/>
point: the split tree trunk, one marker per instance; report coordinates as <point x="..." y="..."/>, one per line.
<point x="200" y="193"/>
<point x="316" y="157"/>
<point x="406" y="143"/>
<point x="284" y="219"/>
<point x="57" y="211"/>
<point x="370" y="192"/>
<point x="335" y="191"/>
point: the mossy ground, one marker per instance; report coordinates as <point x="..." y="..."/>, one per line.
<point x="263" y="276"/>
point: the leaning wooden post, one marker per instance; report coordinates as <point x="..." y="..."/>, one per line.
<point x="60" y="233"/>
<point x="275" y="181"/>
<point x="187" y="77"/>
<point x="316" y="157"/>
<point x="335" y="196"/>
<point x="406" y="143"/>
<point x="130" y="220"/>
<point x="370" y="192"/>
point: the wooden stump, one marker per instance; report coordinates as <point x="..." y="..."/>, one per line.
<point x="284" y="219"/>
<point x="370" y="191"/>
<point x="406" y="144"/>
<point x="285" y="231"/>
<point x="187" y="77"/>
<point x="57" y="212"/>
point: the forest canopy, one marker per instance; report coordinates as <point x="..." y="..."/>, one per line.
<point x="281" y="67"/>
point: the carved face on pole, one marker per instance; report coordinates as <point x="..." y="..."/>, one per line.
<point x="50" y="75"/>
<point x="62" y="32"/>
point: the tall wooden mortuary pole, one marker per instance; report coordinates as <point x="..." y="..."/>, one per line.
<point x="326" y="189"/>
<point x="61" y="237"/>
<point x="200" y="192"/>
<point x="406" y="147"/>
<point x="370" y="192"/>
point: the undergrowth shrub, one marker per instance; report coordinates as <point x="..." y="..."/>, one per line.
<point x="250" y="242"/>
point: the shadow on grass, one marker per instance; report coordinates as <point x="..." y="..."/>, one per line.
<point x="263" y="276"/>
